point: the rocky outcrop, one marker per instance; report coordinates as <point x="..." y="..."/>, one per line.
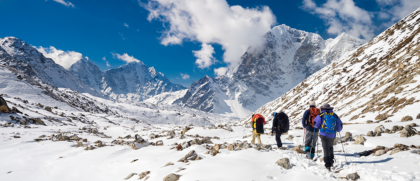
<point x="3" y="106"/>
<point x="406" y="118"/>
<point x="192" y="155"/>
<point x="172" y="177"/>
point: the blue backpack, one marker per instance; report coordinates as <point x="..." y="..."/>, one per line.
<point x="329" y="124"/>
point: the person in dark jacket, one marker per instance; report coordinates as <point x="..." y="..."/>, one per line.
<point x="311" y="133"/>
<point x="327" y="135"/>
<point x="280" y="125"/>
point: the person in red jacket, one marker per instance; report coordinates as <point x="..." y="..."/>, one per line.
<point x="257" y="123"/>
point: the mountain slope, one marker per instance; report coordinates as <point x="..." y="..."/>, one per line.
<point x="289" y="56"/>
<point x="20" y="55"/>
<point x="379" y="80"/>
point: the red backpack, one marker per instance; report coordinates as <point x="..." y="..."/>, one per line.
<point x="259" y="121"/>
<point x="312" y="115"/>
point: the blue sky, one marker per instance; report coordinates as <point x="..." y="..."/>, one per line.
<point x="116" y="31"/>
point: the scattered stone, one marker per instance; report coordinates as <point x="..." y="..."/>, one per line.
<point x="231" y="147"/>
<point x="134" y="160"/>
<point x="285" y="163"/>
<point x="406" y="118"/>
<point x="171" y="133"/>
<point x="395" y="150"/>
<point x="190" y="156"/>
<point x="144" y="174"/>
<point x="216" y="147"/>
<point x="360" y="140"/>
<point x="347" y="137"/>
<point x="353" y="176"/>
<point x="168" y="164"/>
<point x="378" y="134"/>
<point x="214" y="152"/>
<point x="48" y="108"/>
<point x="129" y="176"/>
<point x="379" y="152"/>
<point x="290" y="137"/>
<point x="418" y="116"/>
<point x="370" y="133"/>
<point x="408" y="132"/>
<point x="159" y="143"/>
<point x="298" y="128"/>
<point x="298" y="149"/>
<point x="3" y="106"/>
<point x="182" y="136"/>
<point x="387" y="131"/>
<point x="79" y="144"/>
<point x="379" y="129"/>
<point x="413" y="124"/>
<point x="179" y="147"/>
<point x="172" y="177"/>
<point x="369" y="122"/>
<point x="39" y="121"/>
<point x="266" y="147"/>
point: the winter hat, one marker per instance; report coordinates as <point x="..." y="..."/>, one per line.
<point x="326" y="107"/>
<point x="312" y="103"/>
<point x="274" y="114"/>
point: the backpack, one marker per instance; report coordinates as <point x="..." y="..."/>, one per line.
<point x="283" y="122"/>
<point x="329" y="124"/>
<point x="259" y="122"/>
<point x="312" y="115"/>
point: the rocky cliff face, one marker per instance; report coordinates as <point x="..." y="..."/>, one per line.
<point x="20" y="55"/>
<point x="289" y="57"/>
<point x="378" y="81"/>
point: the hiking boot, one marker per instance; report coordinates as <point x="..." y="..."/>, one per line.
<point x="312" y="155"/>
<point x="328" y="168"/>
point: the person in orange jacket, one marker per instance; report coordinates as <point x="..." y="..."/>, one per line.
<point x="257" y="123"/>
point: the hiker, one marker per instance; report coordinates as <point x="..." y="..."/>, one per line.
<point x="329" y="123"/>
<point x="258" y="122"/>
<point x="311" y="133"/>
<point x="280" y="125"/>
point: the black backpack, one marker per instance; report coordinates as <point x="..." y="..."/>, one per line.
<point x="260" y="126"/>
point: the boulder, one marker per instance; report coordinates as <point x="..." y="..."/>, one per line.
<point x="387" y="131"/>
<point x="406" y="118"/>
<point x="144" y="174"/>
<point x="353" y="176"/>
<point x="133" y="146"/>
<point x="216" y="147"/>
<point x="48" y="108"/>
<point x="395" y="150"/>
<point x="231" y="147"/>
<point x="413" y="124"/>
<point x="184" y="130"/>
<point x="380" y="129"/>
<point x="159" y="143"/>
<point x="285" y="163"/>
<point x="190" y="156"/>
<point x="39" y="121"/>
<point x="370" y="133"/>
<point x="290" y="137"/>
<point x="408" y="131"/>
<point x="347" y="137"/>
<point x="179" y="147"/>
<point x="418" y="116"/>
<point x="378" y="134"/>
<point x="379" y="152"/>
<point x="171" y="133"/>
<point x="3" y="106"/>
<point x="266" y="147"/>
<point x="298" y="149"/>
<point x="214" y="152"/>
<point x="360" y="140"/>
<point x="172" y="177"/>
<point x="369" y="122"/>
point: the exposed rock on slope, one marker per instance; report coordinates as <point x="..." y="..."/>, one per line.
<point x="379" y="79"/>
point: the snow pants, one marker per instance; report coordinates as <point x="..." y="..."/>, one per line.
<point x="328" y="146"/>
<point x="278" y="140"/>
<point x="309" y="141"/>
<point x="255" y="135"/>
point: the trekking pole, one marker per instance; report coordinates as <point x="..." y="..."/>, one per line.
<point x="343" y="147"/>
<point x="304" y="135"/>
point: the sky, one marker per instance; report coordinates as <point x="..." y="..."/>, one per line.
<point x="183" y="39"/>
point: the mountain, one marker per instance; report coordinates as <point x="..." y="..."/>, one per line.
<point x="22" y="56"/>
<point x="288" y="57"/>
<point x="378" y="81"/>
<point x="132" y="82"/>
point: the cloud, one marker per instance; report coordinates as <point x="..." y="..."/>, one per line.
<point x="125" y="57"/>
<point x="212" y="22"/>
<point x="220" y="71"/>
<point x="107" y="64"/>
<point x="343" y="16"/>
<point x="122" y="36"/>
<point x="185" y="76"/>
<point x="63" y="58"/>
<point x="68" y="3"/>
<point x="126" y="25"/>
<point x="205" y="56"/>
<point x="398" y="8"/>
<point x="104" y="58"/>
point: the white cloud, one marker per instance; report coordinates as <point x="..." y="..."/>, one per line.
<point x="104" y="58"/>
<point x="125" y="57"/>
<point x="65" y="59"/>
<point x="343" y="16"/>
<point x="107" y="64"/>
<point x="126" y="25"/>
<point x="68" y="3"/>
<point x="220" y="71"/>
<point x="402" y="8"/>
<point x="212" y="22"/>
<point x="205" y="56"/>
<point x="185" y="76"/>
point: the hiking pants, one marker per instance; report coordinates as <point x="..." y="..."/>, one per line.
<point x="278" y="140"/>
<point x="327" y="145"/>
<point x="257" y="136"/>
<point x="309" y="141"/>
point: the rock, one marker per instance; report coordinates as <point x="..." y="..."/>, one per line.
<point x="159" y="143"/>
<point x="144" y="174"/>
<point x="353" y="176"/>
<point x="298" y="149"/>
<point x="14" y="109"/>
<point x="413" y="124"/>
<point x="129" y="176"/>
<point x="216" y="147"/>
<point x="382" y="117"/>
<point x="395" y="150"/>
<point x="387" y="131"/>
<point x="231" y="147"/>
<point x="196" y="142"/>
<point x="379" y="152"/>
<point x="3" y="106"/>
<point x="285" y="163"/>
<point x="230" y="129"/>
<point x="168" y="164"/>
<point x="290" y="137"/>
<point x="48" y="108"/>
<point x="133" y="146"/>
<point x="298" y="128"/>
<point x="214" y="152"/>
<point x="408" y="131"/>
<point x="184" y="130"/>
<point x="418" y="116"/>
<point x="171" y="133"/>
<point x="190" y="156"/>
<point x="79" y="144"/>
<point x="172" y="177"/>
<point x="360" y="140"/>
<point x="134" y="160"/>
<point x="39" y="121"/>
<point x="379" y="129"/>
<point x="266" y="147"/>
<point x="347" y="137"/>
<point x="406" y="118"/>
<point x="369" y="122"/>
<point x="378" y="134"/>
<point x="370" y="133"/>
<point x="182" y="136"/>
<point x="179" y="147"/>
<point x="380" y="147"/>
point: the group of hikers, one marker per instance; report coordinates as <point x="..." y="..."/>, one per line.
<point x="323" y="123"/>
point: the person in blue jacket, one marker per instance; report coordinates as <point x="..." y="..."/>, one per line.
<point x="328" y="123"/>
